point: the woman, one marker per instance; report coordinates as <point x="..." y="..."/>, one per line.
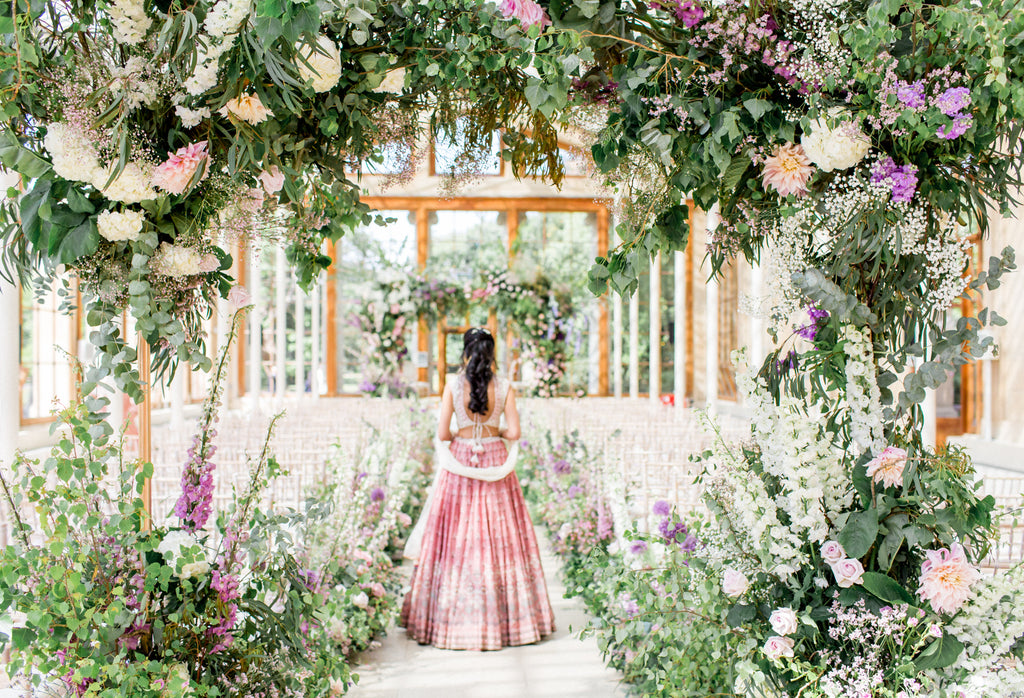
<point x="478" y="584"/>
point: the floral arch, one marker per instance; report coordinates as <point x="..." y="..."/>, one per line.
<point x="852" y="146"/>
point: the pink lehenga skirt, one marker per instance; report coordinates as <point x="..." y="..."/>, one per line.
<point x="478" y="582"/>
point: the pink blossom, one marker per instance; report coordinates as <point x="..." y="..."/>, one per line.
<point x="776" y="647"/>
<point x="787" y="170"/>
<point x="175" y="174"/>
<point x="887" y="466"/>
<point x="848" y="572"/>
<point x="734" y="583"/>
<point x="238" y="297"/>
<point x="832" y="552"/>
<point x="528" y="12"/>
<point x="272" y="179"/>
<point x="209" y="262"/>
<point x="377" y="589"/>
<point x="946" y="578"/>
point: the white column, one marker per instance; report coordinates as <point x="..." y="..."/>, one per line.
<point x="314" y="364"/>
<point x="616" y="343"/>
<point x="178" y="398"/>
<point x="756" y="323"/>
<point x="280" y="328"/>
<point x="10" y="365"/>
<point x="930" y="414"/>
<point x="300" y="341"/>
<point x="255" y="324"/>
<point x="593" y="347"/>
<point x="654" y="332"/>
<point x="634" y="344"/>
<point x="679" y="319"/>
<point x="711" y="322"/>
<point x="986" y="398"/>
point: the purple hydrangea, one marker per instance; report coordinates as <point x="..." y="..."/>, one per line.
<point x="661" y="508"/>
<point x="957" y="128"/>
<point x="638" y="547"/>
<point x="953" y="101"/>
<point x="911" y="95"/>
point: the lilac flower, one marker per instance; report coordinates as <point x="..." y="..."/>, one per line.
<point x="809" y="332"/>
<point x="911" y="95"/>
<point x="638" y="547"/>
<point x="957" y="128"/>
<point x="954" y="100"/>
<point x="689" y="12"/>
<point x="377" y="494"/>
<point x="574" y="491"/>
<point x="629" y="605"/>
<point x="900" y="179"/>
<point x="661" y="508"/>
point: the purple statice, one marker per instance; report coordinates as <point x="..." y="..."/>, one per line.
<point x="574" y="491"/>
<point x="953" y="101"/>
<point x="957" y="128"/>
<point x="903" y="182"/>
<point x="638" y="547"/>
<point x="367" y="386"/>
<point x="911" y="94"/>
<point x="810" y="331"/>
<point x="661" y="508"/>
<point x="196" y="501"/>
<point x="561" y="467"/>
<point x="377" y="494"/>
<point x="689" y="13"/>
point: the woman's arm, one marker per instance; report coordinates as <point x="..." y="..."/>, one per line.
<point x="444" y="424"/>
<point x="511" y="430"/>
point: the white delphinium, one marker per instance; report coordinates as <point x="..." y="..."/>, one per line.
<point x="72" y="153"/>
<point x="862" y="394"/>
<point x="129" y="21"/>
<point x="838" y="147"/>
<point x="118" y="226"/>
<point x="803" y="458"/>
<point x="320" y="66"/>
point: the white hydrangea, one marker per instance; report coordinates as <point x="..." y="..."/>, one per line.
<point x="171" y="547"/>
<point x="837" y="148"/>
<point x="73" y="155"/>
<point x="129" y="21"/>
<point x="190" y="118"/>
<point x="204" y="76"/>
<point x="226" y="16"/>
<point x="320" y="66"/>
<point x="176" y="261"/>
<point x="132" y="186"/>
<point x="117" y="226"/>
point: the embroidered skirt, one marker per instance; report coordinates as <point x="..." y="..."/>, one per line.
<point x="478" y="582"/>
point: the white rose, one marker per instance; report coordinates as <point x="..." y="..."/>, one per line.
<point x="734" y="583"/>
<point x="321" y="67"/>
<point x="776" y="647"/>
<point x="783" y="621"/>
<point x="194" y="570"/>
<point x="118" y="226"/>
<point x="832" y="552"/>
<point x="361" y="600"/>
<point x="848" y="572"/>
<point x="393" y="82"/>
<point x="838" y="148"/>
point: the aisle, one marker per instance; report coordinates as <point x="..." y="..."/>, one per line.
<point x="562" y="666"/>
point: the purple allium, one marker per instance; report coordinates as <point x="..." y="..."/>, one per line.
<point x="661" y="508"/>
<point x="689" y="543"/>
<point x="574" y="491"/>
<point x="953" y="101"/>
<point x="911" y="95"/>
<point x="561" y="466"/>
<point x="377" y="494"/>
<point x="957" y="128"/>
<point x="638" y="547"/>
<point x="670" y="531"/>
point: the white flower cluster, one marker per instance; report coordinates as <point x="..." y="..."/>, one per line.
<point x="129" y="21"/>
<point x="118" y="226"/>
<point x="946" y="255"/>
<point x="835" y="148"/>
<point x="73" y="155"/>
<point x="172" y="547"/>
<point x="822" y="54"/>
<point x="808" y="467"/>
<point x="862" y="395"/>
<point x="133" y="82"/>
<point x="226" y="17"/>
<point x="786" y="255"/>
<point x="190" y="118"/>
<point x="221" y="29"/>
<point x="320" y="66"/>
<point x="132" y="186"/>
<point x="741" y="502"/>
<point x="177" y="261"/>
<point x="988" y="626"/>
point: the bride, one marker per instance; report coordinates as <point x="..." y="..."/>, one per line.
<point x="478" y="583"/>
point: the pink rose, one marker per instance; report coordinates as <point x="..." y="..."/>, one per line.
<point x="734" y="583"/>
<point x="783" y="621"/>
<point x="239" y="298"/>
<point x="377" y="589"/>
<point x="527" y="12"/>
<point x="776" y="647"/>
<point x="272" y="179"/>
<point x="848" y="572"/>
<point x="832" y="552"/>
<point x="175" y="174"/>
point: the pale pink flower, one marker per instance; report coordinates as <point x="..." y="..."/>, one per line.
<point x="527" y="12"/>
<point x="272" y="179"/>
<point x="887" y="466"/>
<point x="180" y="168"/>
<point x="247" y="108"/>
<point x="787" y="170"/>
<point x="776" y="647"/>
<point x="253" y="202"/>
<point x="848" y="572"/>
<point x="209" y="262"/>
<point x="832" y="552"/>
<point x="238" y="297"/>
<point x="783" y="621"/>
<point x="946" y="578"/>
<point x="734" y="583"/>
<point x="404" y="519"/>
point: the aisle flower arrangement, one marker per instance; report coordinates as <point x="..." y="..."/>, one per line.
<point x="385" y="317"/>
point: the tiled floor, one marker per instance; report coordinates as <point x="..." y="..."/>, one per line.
<point x="563" y="666"/>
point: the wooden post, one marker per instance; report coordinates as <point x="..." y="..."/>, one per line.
<point x="423" y="333"/>
<point x="602" y="308"/>
<point x="331" y="344"/>
<point x="145" y="425"/>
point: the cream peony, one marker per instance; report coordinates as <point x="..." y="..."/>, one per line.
<point x="246" y="108"/>
<point x="887" y="467"/>
<point x="194" y="570"/>
<point x="776" y="647"/>
<point x="832" y="552"/>
<point x="132" y="186"/>
<point x="837" y="148"/>
<point x="320" y="67"/>
<point x="119" y="226"/>
<point x="946" y="578"/>
<point x="734" y="583"/>
<point x="783" y="621"/>
<point x="393" y="82"/>
<point x="176" y="261"/>
<point x="848" y="572"/>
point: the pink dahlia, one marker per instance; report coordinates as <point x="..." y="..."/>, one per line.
<point x="946" y="578"/>
<point x="177" y="172"/>
<point x="527" y="12"/>
<point x="788" y="170"/>
<point x="887" y="466"/>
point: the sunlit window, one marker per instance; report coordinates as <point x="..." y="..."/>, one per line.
<point x="47" y="339"/>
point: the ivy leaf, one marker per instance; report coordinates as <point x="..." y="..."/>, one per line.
<point x="860" y="532"/>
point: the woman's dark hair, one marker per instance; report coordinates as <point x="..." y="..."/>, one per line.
<point x="478" y="356"/>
